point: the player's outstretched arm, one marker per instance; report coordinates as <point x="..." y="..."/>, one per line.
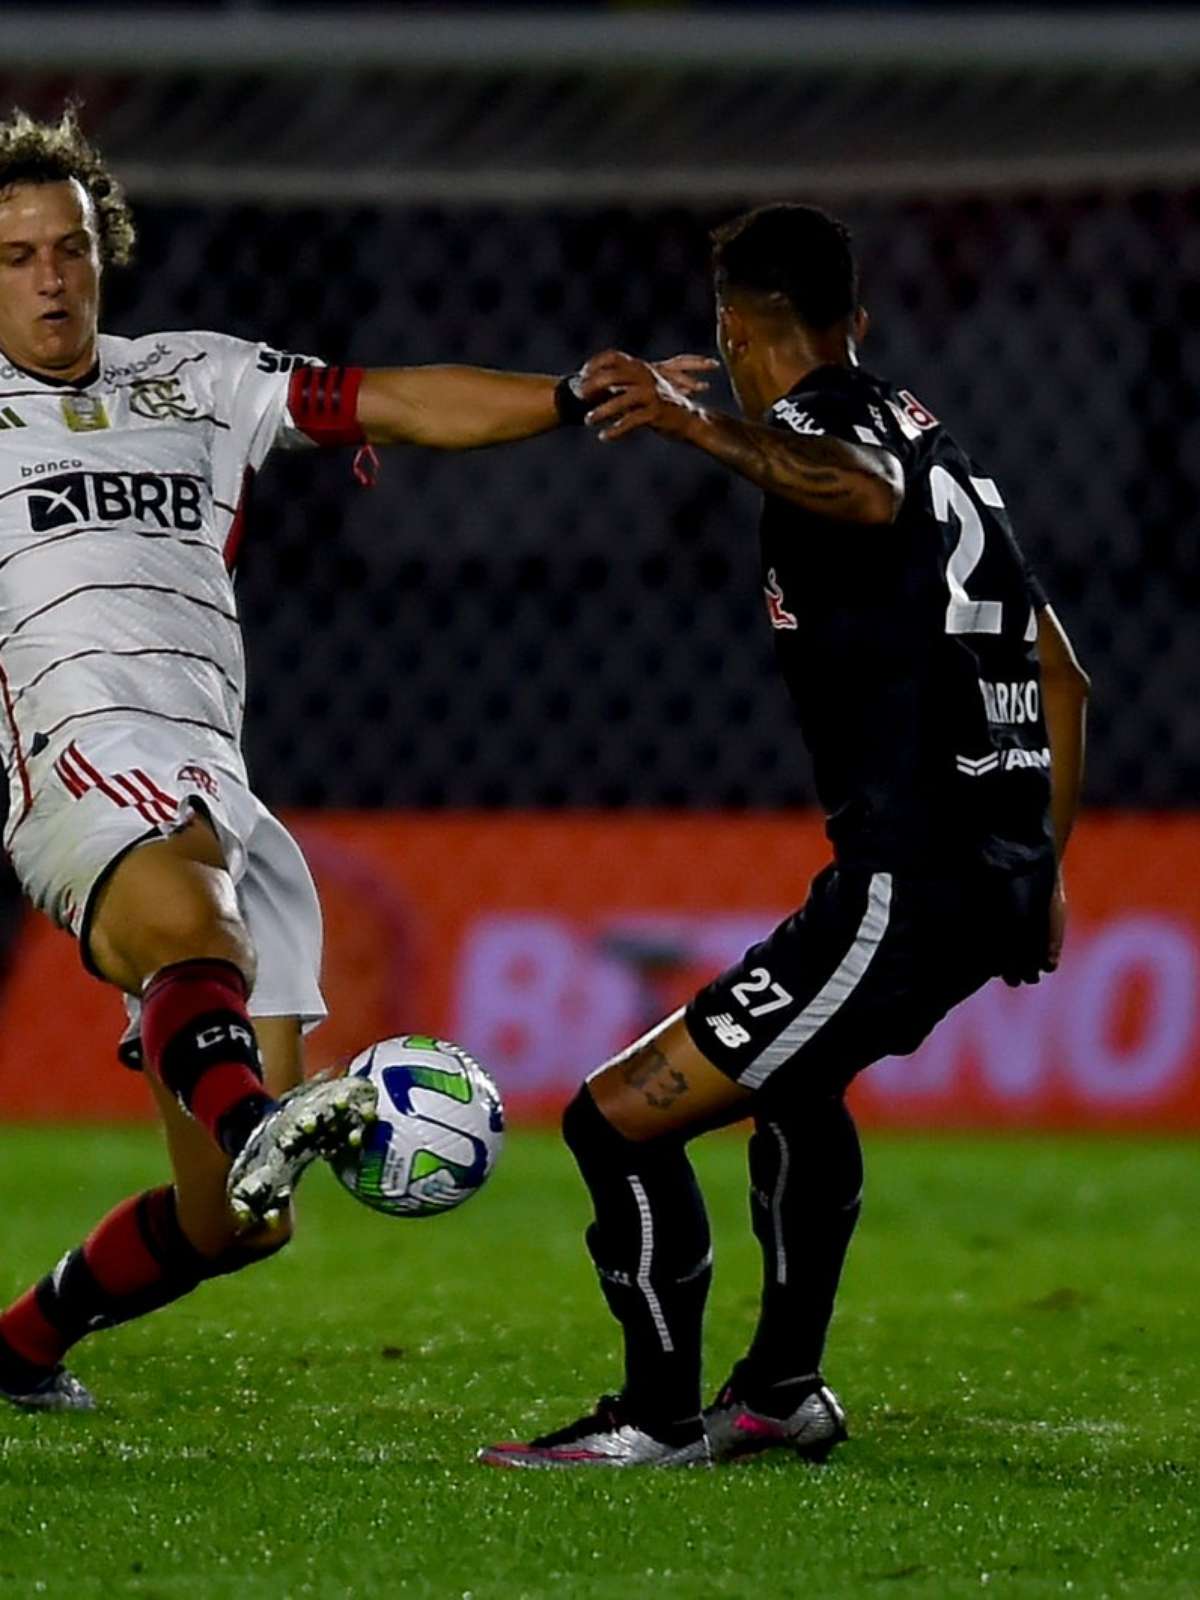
<point x="830" y="477"/>
<point x="1064" y="702"/>
<point x="1065" y="688"/>
<point x="454" y="408"/>
<point x="464" y="408"/>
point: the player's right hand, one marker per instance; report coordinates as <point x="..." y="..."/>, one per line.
<point x="688" y="374"/>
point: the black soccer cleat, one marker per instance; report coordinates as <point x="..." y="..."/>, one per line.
<point x="811" y="1425"/>
<point x="59" y="1390"/>
<point x="607" y="1437"/>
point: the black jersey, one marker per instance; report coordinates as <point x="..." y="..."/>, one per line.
<point x="909" y="648"/>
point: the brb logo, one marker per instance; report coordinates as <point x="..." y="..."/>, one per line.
<point x="77" y="499"/>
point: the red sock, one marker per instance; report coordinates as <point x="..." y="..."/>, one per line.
<point x="198" y="1038"/>
<point x="133" y="1261"/>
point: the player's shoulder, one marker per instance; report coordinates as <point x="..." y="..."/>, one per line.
<point x="146" y="355"/>
<point x="160" y="353"/>
<point x="869" y="409"/>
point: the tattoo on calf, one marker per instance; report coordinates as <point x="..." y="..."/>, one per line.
<point x="660" y="1083"/>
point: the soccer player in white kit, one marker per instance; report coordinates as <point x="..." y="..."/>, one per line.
<point x="123" y="467"/>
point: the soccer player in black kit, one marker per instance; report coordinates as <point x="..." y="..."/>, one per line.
<point x="944" y="711"/>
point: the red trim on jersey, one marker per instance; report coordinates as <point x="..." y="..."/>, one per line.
<point x="237" y="528"/>
<point x="160" y="795"/>
<point x="150" y="809"/>
<point x="323" y="402"/>
<point x="99" y="781"/>
<point x="22" y="769"/>
<point x="75" y="785"/>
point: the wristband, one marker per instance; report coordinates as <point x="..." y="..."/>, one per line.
<point x="572" y="408"/>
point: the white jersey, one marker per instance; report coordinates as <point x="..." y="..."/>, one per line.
<point x="120" y="512"/>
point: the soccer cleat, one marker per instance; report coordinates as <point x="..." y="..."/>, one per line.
<point x="323" y="1117"/>
<point x="606" y="1438"/>
<point x="60" y="1390"/>
<point x="812" y="1428"/>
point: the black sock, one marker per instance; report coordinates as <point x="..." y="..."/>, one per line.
<point x="651" y="1245"/>
<point x="806" y="1178"/>
<point x="239" y="1122"/>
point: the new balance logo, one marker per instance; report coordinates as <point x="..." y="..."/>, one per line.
<point x="10" y="419"/>
<point x="124" y="789"/>
<point x="729" y="1033"/>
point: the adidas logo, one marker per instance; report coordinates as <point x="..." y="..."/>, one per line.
<point x="10" y="419"/>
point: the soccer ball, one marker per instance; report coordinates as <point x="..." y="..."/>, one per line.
<point x="439" y="1129"/>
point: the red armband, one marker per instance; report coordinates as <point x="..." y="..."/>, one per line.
<point x="323" y="402"/>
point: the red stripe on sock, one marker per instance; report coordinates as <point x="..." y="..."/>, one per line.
<point x="116" y="1252"/>
<point x="29" y="1334"/>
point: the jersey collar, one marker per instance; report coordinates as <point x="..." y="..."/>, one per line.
<point x="82" y="382"/>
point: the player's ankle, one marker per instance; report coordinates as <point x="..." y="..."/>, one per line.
<point x="664" y="1424"/>
<point x="18" y="1375"/>
<point x="771" y="1393"/>
<point x="239" y="1122"/>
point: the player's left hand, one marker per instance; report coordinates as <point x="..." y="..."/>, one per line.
<point x="1058" y="926"/>
<point x="1033" y="967"/>
<point x="632" y="394"/>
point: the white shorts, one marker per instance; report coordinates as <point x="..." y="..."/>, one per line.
<point x="121" y="784"/>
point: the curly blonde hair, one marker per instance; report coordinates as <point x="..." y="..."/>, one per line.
<point x="56" y="152"/>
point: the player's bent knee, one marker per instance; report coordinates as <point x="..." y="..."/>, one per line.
<point x="596" y="1143"/>
<point x="225" y="1250"/>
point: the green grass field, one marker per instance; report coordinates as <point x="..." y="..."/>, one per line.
<point x="1016" y="1346"/>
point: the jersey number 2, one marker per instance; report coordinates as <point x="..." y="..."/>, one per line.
<point x="952" y="504"/>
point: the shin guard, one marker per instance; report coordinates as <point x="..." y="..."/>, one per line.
<point x="806" y="1176"/>
<point x="651" y="1246"/>
<point x="198" y="1037"/>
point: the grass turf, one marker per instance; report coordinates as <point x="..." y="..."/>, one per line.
<point x="1016" y="1346"/>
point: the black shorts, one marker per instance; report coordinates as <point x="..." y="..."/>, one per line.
<point x="865" y="969"/>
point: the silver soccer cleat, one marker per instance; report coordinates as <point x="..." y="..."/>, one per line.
<point x="607" y="1438"/>
<point x="60" y="1391"/>
<point x="812" y="1430"/>
<point x="323" y="1117"/>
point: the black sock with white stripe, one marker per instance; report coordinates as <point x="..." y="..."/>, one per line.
<point x="652" y="1249"/>
<point x="806" y="1176"/>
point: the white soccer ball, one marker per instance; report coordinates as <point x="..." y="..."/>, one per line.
<point x="439" y="1130"/>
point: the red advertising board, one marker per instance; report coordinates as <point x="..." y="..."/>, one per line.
<point x="544" y="943"/>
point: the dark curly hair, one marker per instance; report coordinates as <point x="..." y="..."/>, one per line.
<point x="798" y="253"/>
<point x="56" y="152"/>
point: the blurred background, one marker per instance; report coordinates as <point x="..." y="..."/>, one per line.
<point x="520" y="705"/>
